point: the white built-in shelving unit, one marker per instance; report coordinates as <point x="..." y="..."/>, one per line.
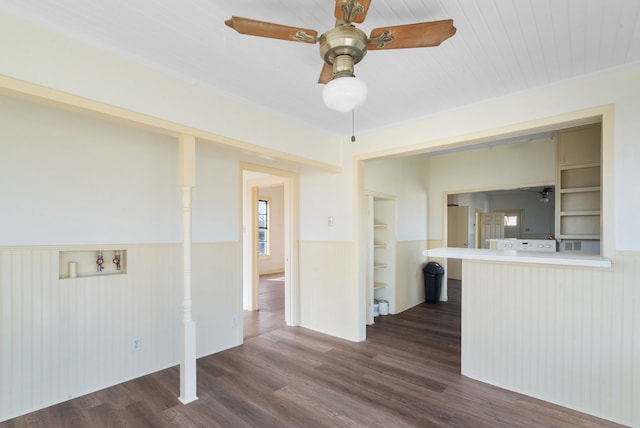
<point x="382" y="251"/>
<point x="578" y="194"/>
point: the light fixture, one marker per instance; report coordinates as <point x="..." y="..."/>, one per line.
<point x="344" y="94"/>
<point x="544" y="195"/>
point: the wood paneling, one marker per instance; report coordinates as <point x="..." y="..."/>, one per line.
<point x="329" y="294"/>
<point x="217" y="296"/>
<point x="61" y="338"/>
<point x="409" y="280"/>
<point x="565" y="335"/>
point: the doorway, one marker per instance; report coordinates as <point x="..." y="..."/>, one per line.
<point x="283" y="277"/>
<point x="490" y="226"/>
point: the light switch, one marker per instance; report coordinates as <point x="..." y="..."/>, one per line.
<point x="330" y="220"/>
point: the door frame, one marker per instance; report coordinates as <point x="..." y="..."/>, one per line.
<point x="248" y="231"/>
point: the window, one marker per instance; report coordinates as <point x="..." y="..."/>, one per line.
<point x="263" y="227"/>
<point x="510" y="220"/>
<point x="513" y="223"/>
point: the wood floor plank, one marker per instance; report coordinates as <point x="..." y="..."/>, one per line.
<point x="106" y="415"/>
<point x="270" y="315"/>
<point x="141" y="414"/>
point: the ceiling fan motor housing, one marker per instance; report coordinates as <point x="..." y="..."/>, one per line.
<point x="343" y="46"/>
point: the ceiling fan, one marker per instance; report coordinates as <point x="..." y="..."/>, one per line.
<point x="345" y="45"/>
<point x="544" y="193"/>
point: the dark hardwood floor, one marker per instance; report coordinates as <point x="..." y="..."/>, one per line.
<point x="406" y="374"/>
<point x="271" y="302"/>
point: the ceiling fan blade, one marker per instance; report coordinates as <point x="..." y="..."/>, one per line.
<point x="351" y="10"/>
<point x="326" y="74"/>
<point x="273" y="31"/>
<point x="421" y="35"/>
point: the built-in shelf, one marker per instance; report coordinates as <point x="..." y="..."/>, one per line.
<point x="382" y="252"/>
<point x="579" y="225"/>
<point x="85" y="263"/>
<point x="579" y="213"/>
<point x="581" y="237"/>
<point x="578" y="194"/>
<point x="581" y="189"/>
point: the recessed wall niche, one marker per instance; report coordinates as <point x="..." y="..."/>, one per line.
<point x="98" y="262"/>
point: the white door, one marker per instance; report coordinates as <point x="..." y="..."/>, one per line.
<point x="457" y="236"/>
<point x="491" y="227"/>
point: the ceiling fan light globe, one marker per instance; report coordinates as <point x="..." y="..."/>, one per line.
<point x="344" y="94"/>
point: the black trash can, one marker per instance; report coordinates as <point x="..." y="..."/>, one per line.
<point x="433" y="274"/>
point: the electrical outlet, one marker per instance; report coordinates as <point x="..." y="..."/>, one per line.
<point x="234" y="322"/>
<point x="136" y="344"/>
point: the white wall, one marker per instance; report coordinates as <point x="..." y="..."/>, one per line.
<point x="406" y="178"/>
<point x="326" y="194"/>
<point x="75" y="179"/>
<point x="216" y="198"/>
<point x="95" y="182"/>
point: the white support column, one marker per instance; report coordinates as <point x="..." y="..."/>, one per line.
<point x="187" y="147"/>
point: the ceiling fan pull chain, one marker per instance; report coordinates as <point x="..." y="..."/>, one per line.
<point x="353" y="125"/>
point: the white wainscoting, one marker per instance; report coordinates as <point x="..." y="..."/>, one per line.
<point x="62" y="338"/>
<point x="409" y="280"/>
<point x="570" y="336"/>
<point x="328" y="292"/>
<point x="217" y="296"/>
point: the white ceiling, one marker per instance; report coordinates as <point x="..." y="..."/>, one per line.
<point x="501" y="47"/>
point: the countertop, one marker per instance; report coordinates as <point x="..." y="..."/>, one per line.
<point x="547" y="258"/>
